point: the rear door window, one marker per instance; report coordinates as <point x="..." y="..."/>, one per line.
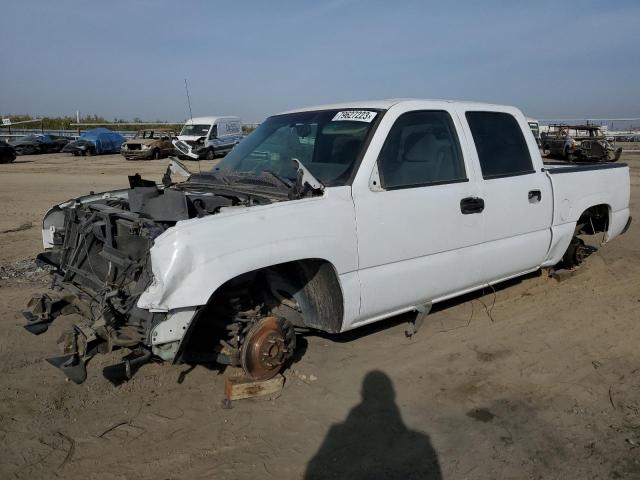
<point x="501" y="146"/>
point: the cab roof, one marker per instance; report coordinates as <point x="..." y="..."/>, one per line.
<point x="384" y="104"/>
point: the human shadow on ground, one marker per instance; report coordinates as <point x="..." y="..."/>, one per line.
<point x="373" y="442"/>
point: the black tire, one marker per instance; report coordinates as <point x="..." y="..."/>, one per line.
<point x="156" y="154"/>
<point x="569" y="157"/>
<point x="574" y="254"/>
<point x="211" y="154"/>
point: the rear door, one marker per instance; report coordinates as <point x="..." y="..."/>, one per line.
<point x="416" y="237"/>
<point x="517" y="195"/>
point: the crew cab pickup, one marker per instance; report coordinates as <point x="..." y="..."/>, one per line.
<point x="325" y="218"/>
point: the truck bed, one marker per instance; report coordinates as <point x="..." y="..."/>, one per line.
<point x="568" y="167"/>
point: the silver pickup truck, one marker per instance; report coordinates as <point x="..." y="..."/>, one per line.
<point x="326" y="218"/>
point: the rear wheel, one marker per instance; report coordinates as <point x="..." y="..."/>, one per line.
<point x="156" y="154"/>
<point x="576" y="253"/>
<point x="211" y="154"/>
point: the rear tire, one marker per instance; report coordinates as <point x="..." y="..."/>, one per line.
<point x="569" y="157"/>
<point x="211" y="154"/>
<point x="575" y="254"/>
<point x="156" y="154"/>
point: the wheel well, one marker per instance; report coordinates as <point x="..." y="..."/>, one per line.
<point x="305" y="292"/>
<point x="314" y="286"/>
<point x="593" y="220"/>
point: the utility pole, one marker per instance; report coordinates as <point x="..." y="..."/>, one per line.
<point x="186" y="87"/>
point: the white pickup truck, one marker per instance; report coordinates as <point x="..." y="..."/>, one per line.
<point x="326" y="218"/>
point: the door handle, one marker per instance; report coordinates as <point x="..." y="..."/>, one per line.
<point x="471" y="205"/>
<point x="535" y="196"/>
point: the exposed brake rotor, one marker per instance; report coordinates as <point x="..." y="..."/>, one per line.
<point x="268" y="344"/>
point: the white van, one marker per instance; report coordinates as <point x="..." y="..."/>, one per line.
<point x="207" y="137"/>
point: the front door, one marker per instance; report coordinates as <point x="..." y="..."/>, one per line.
<point x="418" y="220"/>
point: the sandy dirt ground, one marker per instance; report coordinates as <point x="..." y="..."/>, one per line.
<point x="540" y="380"/>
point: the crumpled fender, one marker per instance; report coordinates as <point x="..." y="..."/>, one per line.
<point x="191" y="260"/>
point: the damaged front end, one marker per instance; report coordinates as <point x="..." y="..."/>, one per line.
<point x="100" y="258"/>
<point x="99" y="249"/>
<point x="191" y="149"/>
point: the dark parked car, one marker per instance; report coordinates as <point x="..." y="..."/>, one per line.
<point x="33" y="144"/>
<point x="96" y="142"/>
<point x="7" y="153"/>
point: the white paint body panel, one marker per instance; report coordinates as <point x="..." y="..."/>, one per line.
<point x="174" y="327"/>
<point x="409" y="238"/>
<point x="516" y="230"/>
<point x="191" y="260"/>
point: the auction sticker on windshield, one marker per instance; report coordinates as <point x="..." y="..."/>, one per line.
<point x="355" y="115"/>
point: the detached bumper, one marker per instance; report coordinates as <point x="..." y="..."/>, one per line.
<point x="195" y="152"/>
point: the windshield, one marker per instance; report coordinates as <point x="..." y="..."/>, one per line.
<point x="195" y="130"/>
<point x="326" y="142"/>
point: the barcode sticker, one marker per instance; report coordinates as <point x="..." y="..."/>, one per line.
<point x="355" y="116"/>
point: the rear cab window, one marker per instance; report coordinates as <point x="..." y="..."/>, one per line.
<point x="500" y="143"/>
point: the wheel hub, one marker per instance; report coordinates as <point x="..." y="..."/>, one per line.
<point x="269" y="343"/>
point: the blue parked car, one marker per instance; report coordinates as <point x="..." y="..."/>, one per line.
<point x="96" y="142"/>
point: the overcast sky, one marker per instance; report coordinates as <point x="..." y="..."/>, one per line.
<point x="255" y="58"/>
